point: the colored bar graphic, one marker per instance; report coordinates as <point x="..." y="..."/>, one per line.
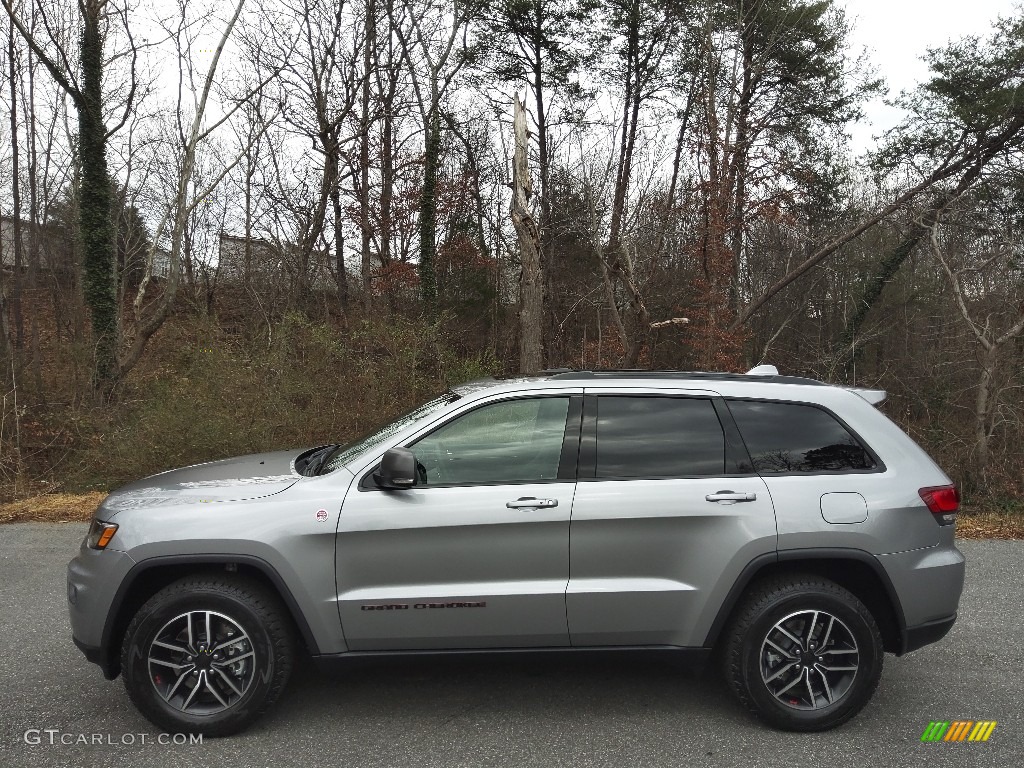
<point x="958" y="730"/>
<point x="982" y="731"/>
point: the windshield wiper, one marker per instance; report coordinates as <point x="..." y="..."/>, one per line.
<point x="318" y="458"/>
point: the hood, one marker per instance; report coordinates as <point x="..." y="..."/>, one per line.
<point x="238" y="479"/>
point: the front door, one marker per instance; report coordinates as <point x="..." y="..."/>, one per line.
<point x="477" y="554"/>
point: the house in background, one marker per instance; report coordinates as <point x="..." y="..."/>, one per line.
<point x="239" y="259"/>
<point x="54" y="246"/>
<point x="268" y="262"/>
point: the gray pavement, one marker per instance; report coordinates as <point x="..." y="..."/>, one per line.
<point x="526" y="711"/>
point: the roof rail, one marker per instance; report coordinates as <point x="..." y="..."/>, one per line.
<point x="573" y="375"/>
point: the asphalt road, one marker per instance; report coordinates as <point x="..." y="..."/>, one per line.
<point x="521" y="712"/>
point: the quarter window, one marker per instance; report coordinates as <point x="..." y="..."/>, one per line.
<point x="788" y="437"/>
<point x="658" y="437"/>
<point x="513" y="441"/>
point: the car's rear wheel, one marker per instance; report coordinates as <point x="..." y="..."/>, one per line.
<point x="803" y="653"/>
<point x="207" y="654"/>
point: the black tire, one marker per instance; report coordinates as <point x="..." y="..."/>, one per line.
<point x="760" y="660"/>
<point x="240" y="674"/>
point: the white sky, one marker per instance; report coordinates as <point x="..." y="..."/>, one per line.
<point x="898" y="32"/>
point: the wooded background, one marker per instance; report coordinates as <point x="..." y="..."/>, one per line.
<point x="239" y="226"/>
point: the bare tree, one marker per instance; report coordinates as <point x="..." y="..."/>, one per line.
<point x="433" y="38"/>
<point x="994" y="328"/>
<point x="185" y="197"/>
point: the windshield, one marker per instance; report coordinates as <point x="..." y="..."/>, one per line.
<point x="344" y="454"/>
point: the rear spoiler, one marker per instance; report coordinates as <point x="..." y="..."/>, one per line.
<point x="873" y="396"/>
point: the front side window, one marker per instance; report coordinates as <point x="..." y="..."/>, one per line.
<point x="512" y="441"/>
<point x="789" y="437"/>
<point x="658" y="437"/>
<point x="346" y="453"/>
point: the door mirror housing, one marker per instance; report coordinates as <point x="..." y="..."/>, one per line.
<point x="397" y="470"/>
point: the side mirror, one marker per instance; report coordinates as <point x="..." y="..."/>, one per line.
<point x="397" y="470"/>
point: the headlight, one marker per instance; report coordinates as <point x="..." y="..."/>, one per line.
<point x="100" y="534"/>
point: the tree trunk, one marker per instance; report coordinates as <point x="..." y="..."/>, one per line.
<point x="341" y="275"/>
<point x="364" y="157"/>
<point x="738" y="171"/>
<point x="670" y="200"/>
<point x="884" y="271"/>
<point x="95" y="226"/>
<point x="35" y="230"/>
<point x="428" y="209"/>
<point x="387" y="145"/>
<point x="531" y="317"/>
<point x="547" y="256"/>
<point x="18" y="244"/>
<point x="250" y="170"/>
<point x="387" y="179"/>
<point x="984" y="403"/>
<point x="630" y="114"/>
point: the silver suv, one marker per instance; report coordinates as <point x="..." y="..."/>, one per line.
<point x="785" y="526"/>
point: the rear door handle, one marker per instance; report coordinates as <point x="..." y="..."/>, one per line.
<point x="730" y="497"/>
<point x="531" y="502"/>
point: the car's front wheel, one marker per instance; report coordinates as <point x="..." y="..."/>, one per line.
<point x="803" y="653"/>
<point x="207" y="654"/>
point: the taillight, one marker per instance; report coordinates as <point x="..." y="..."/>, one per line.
<point x="943" y="501"/>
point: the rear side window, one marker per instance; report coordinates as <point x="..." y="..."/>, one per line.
<point x="787" y="437"/>
<point x="658" y="437"/>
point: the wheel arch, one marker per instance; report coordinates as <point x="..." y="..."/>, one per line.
<point x="853" y="569"/>
<point x="149" y="576"/>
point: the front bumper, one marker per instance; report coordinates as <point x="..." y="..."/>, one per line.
<point x="94" y="577"/>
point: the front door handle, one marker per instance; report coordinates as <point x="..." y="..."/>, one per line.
<point x="531" y="502"/>
<point x="730" y="497"/>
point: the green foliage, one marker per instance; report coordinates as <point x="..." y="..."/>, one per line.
<point x="535" y="42"/>
<point x="975" y="93"/>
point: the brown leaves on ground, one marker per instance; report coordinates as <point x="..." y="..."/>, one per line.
<point x="52" y="508"/>
<point x="990" y="525"/>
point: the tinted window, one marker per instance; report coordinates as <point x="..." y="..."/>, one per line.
<point x="514" y="441"/>
<point x="785" y="437"/>
<point x="658" y="437"/>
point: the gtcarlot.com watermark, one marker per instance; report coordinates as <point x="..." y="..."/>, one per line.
<point x="54" y="737"/>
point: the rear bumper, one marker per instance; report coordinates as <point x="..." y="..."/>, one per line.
<point x="928" y="583"/>
<point x="926" y="634"/>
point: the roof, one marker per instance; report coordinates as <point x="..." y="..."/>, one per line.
<point x="762" y="374"/>
<point x="732" y="383"/>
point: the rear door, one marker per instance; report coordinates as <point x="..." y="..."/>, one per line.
<point x="663" y="520"/>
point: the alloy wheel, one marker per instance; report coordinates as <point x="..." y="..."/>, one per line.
<point x="202" y="662"/>
<point x="809" y="660"/>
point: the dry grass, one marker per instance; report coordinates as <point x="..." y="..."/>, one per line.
<point x="51" y="508"/>
<point x="68" y="507"/>
<point x="990" y="525"/>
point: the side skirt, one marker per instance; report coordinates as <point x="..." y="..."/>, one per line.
<point x="692" y="659"/>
